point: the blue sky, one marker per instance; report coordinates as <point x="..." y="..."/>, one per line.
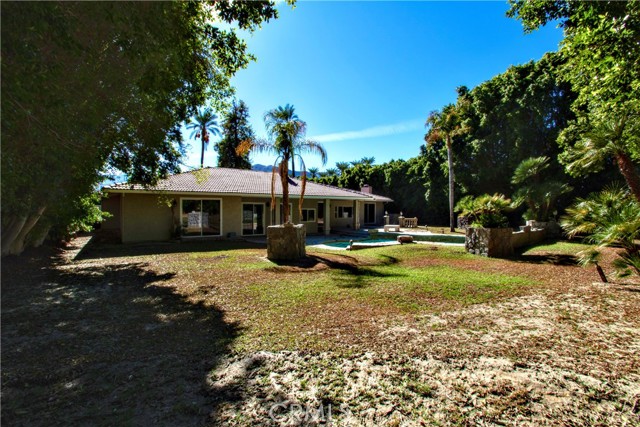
<point x="365" y="75"/>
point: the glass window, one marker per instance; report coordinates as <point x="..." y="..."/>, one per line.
<point x="201" y="217"/>
<point x="308" y="215"/>
<point x="344" y="212"/>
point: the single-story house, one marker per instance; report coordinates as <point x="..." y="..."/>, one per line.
<point x="221" y="202"/>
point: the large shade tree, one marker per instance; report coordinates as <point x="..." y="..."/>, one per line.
<point x="94" y="87"/>
<point x="601" y="56"/>
<point x="203" y="125"/>
<point x="287" y="141"/>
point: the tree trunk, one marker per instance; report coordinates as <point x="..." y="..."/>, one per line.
<point x="284" y="177"/>
<point x="11" y="231"/>
<point x="450" y="161"/>
<point x="202" y="155"/>
<point x="600" y="271"/>
<point x="39" y="239"/>
<point x="628" y="170"/>
<point x="293" y="168"/>
<point x="19" y="242"/>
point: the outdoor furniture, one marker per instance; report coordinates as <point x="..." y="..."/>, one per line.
<point x="391" y="227"/>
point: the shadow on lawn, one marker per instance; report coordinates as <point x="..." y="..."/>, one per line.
<point x="350" y="273"/>
<point x="105" y="344"/>
<point x="95" y="250"/>
<point x="546" y="258"/>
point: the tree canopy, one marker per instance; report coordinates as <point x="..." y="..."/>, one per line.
<point x="90" y="87"/>
<point x="601" y="61"/>
<point x="235" y="129"/>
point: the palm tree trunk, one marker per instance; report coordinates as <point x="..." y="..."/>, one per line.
<point x="284" y="177"/>
<point x="293" y="168"/>
<point x="630" y="173"/>
<point x="450" y="162"/>
<point x="202" y="155"/>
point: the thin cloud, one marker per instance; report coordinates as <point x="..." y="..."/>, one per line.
<point x="402" y="127"/>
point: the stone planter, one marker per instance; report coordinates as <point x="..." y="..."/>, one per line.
<point x="286" y="242"/>
<point x="489" y="242"/>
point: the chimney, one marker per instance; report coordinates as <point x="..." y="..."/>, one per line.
<point x="367" y="189"/>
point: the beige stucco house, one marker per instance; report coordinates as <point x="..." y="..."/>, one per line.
<point x="221" y="202"/>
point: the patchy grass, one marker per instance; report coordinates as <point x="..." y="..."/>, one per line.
<point x="213" y="333"/>
<point x="558" y="247"/>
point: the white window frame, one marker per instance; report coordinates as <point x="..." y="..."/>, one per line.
<point x="201" y="199"/>
<point x="264" y="218"/>
<point x="315" y="216"/>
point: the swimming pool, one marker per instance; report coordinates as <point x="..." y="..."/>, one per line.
<point x="387" y="239"/>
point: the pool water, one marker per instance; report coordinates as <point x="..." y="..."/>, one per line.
<point x="435" y="238"/>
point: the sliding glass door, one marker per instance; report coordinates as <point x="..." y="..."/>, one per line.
<point x="201" y="217"/>
<point x="252" y="219"/>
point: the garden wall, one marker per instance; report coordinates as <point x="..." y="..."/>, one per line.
<point x="501" y="242"/>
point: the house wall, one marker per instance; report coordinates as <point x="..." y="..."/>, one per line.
<point x="379" y="219"/>
<point x="342" y="222"/>
<point x="140" y="217"/>
<point x="145" y="219"/>
<point x="111" y="204"/>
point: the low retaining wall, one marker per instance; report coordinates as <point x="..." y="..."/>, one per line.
<point x="528" y="237"/>
<point x="501" y="242"/>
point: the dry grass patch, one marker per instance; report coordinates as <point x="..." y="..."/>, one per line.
<point x="213" y="333"/>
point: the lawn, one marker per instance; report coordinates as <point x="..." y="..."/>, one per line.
<point x="215" y="334"/>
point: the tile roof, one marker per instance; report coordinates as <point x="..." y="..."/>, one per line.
<point x="238" y="181"/>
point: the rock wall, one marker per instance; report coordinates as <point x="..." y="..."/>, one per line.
<point x="501" y="242"/>
<point x="286" y="242"/>
<point x="490" y="242"/>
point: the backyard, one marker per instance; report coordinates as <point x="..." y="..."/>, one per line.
<point x="215" y="334"/>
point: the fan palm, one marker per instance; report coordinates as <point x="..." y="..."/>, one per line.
<point x="287" y="141"/>
<point x="608" y="218"/>
<point x="539" y="194"/>
<point x="204" y="123"/>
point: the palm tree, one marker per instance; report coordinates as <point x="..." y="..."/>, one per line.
<point x="331" y="172"/>
<point x="536" y="190"/>
<point x="342" y="166"/>
<point x="205" y="122"/>
<point x="444" y="125"/>
<point x="611" y="135"/>
<point x="608" y="218"/>
<point x="287" y="141"/>
<point x="368" y="161"/>
<point x="314" y="172"/>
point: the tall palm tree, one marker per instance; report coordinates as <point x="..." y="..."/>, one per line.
<point x="205" y="122"/>
<point x="287" y="141"/>
<point x="444" y="125"/>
